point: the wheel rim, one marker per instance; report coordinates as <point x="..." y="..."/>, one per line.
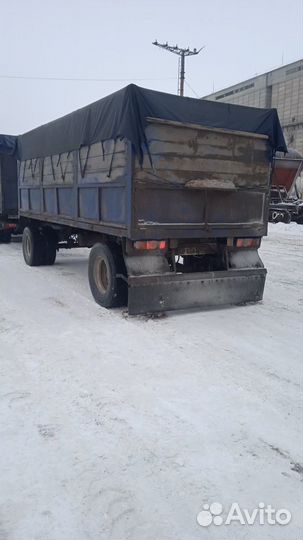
<point x="101" y="275"/>
<point x="27" y="246"/>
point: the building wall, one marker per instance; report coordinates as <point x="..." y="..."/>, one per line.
<point x="281" y="88"/>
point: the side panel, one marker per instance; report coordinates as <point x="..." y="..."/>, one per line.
<point x="8" y="187"/>
<point x="201" y="182"/>
<point x="85" y="188"/>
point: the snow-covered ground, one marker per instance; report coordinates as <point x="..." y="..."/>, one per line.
<point x="120" y="427"/>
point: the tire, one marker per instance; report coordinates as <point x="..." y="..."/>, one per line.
<point x="32" y="246"/>
<point x="286" y="217"/>
<point x="5" y="237"/>
<point x="50" y="242"/>
<point x="276" y="216"/>
<point x="105" y="262"/>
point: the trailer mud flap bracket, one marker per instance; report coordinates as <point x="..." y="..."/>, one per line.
<point x="164" y="292"/>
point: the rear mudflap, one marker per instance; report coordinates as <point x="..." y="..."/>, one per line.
<point x="169" y="291"/>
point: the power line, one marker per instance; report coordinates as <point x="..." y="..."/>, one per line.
<point x="191" y="88"/>
<point x="79" y="79"/>
<point x="181" y="67"/>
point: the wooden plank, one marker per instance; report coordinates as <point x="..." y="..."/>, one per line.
<point x="103" y="168"/>
<point x="97" y="163"/>
<point x="196" y="164"/>
<point x="102" y="176"/>
<point x="58" y="170"/>
<point x="48" y="179"/>
<point x="110" y="146"/>
<point x="144" y="176"/>
<point x="48" y="168"/>
<point x="97" y="168"/>
<point x="206" y="128"/>
<point x="193" y="138"/>
<point x="198" y="148"/>
<point x="30" y="172"/>
<point x="211" y="183"/>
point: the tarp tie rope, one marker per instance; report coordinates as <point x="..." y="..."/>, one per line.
<point x="33" y="168"/>
<point x="23" y="175"/>
<point x="53" y="170"/>
<point x="83" y="169"/>
<point x="63" y="171"/>
<point x="111" y="160"/>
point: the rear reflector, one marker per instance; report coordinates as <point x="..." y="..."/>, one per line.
<point x="248" y="242"/>
<point x="150" y="244"/>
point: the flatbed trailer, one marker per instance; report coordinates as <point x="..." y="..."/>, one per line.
<point x="173" y="209"/>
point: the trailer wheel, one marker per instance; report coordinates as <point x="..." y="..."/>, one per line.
<point x="32" y="246"/>
<point x="50" y="242"/>
<point x="105" y="262"/>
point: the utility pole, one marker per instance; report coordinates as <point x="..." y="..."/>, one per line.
<point x="181" y="68"/>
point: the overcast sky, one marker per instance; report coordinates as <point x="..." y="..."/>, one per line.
<point x="112" y="39"/>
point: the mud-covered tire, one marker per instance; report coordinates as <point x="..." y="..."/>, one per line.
<point x="105" y="263"/>
<point x="50" y="243"/>
<point x="32" y="246"/>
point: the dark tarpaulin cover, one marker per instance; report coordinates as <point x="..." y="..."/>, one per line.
<point x="8" y="144"/>
<point x="124" y="113"/>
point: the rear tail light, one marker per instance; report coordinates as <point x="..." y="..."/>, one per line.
<point x="9" y="226"/>
<point x="248" y="242"/>
<point x="150" y="244"/>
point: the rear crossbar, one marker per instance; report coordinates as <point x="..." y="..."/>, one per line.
<point x="164" y="292"/>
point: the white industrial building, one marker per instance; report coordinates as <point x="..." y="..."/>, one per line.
<point x="281" y="88"/>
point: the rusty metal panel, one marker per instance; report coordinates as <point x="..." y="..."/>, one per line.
<point x="180" y="154"/>
<point x="185" y="207"/>
<point x="201" y="178"/>
<point x="162" y="292"/>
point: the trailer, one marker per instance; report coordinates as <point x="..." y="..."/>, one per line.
<point x="171" y="194"/>
<point x="285" y="203"/>
<point x="8" y="187"/>
<point x="284" y="208"/>
<point x="286" y="169"/>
